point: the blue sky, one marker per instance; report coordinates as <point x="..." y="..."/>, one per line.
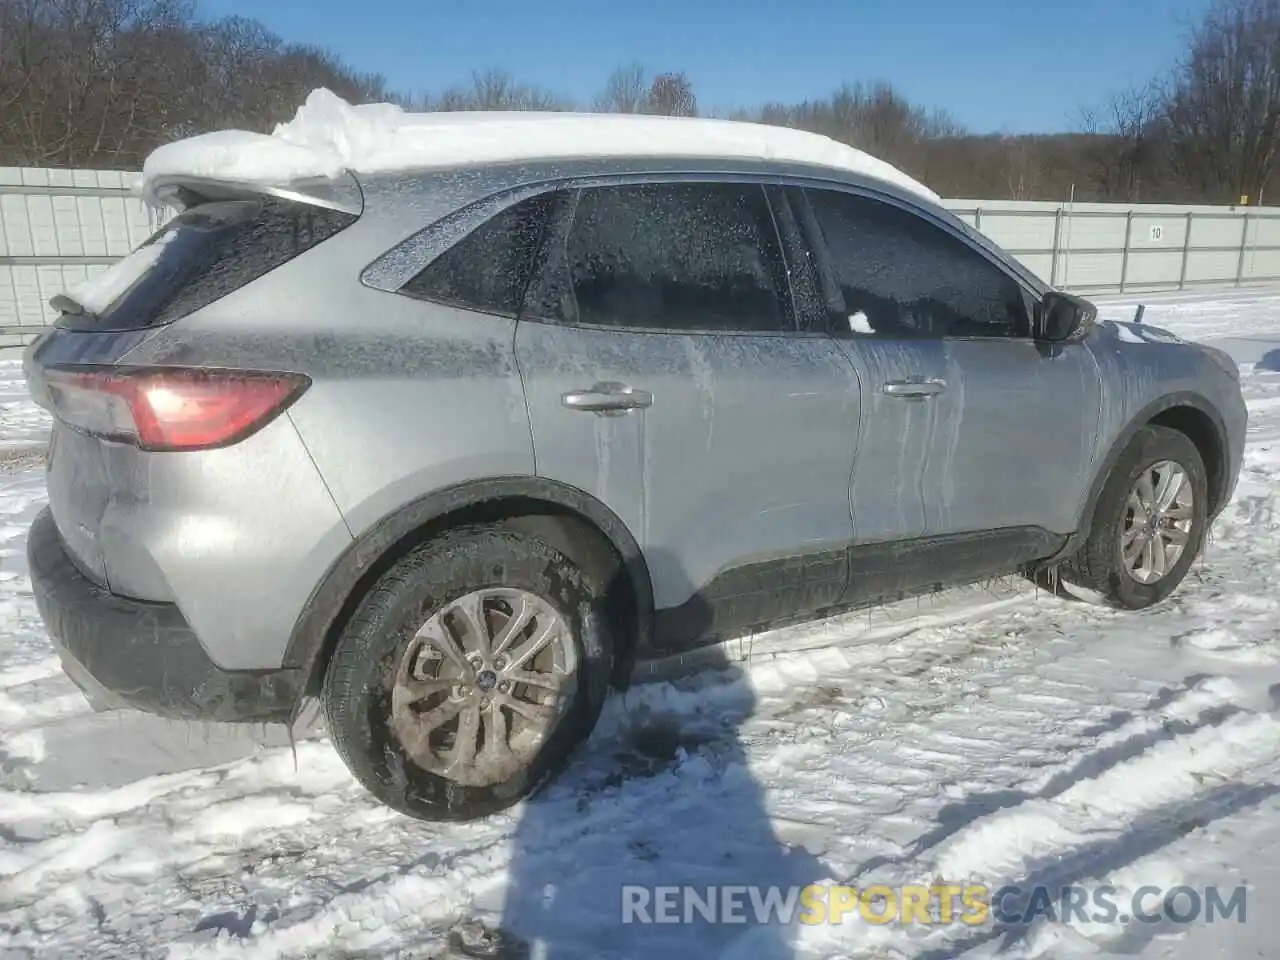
<point x="996" y="65"/>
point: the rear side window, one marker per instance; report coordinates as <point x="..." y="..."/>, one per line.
<point x="205" y="253"/>
<point x="673" y="256"/>
<point x="488" y="269"/>
<point x="902" y="276"/>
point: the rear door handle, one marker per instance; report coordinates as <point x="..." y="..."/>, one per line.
<point x="914" y="389"/>
<point x="608" y="398"/>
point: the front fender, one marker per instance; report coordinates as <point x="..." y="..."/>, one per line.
<point x="1222" y="478"/>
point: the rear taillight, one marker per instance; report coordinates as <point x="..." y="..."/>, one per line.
<point x="174" y="409"/>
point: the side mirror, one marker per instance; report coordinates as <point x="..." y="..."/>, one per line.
<point x="1060" y="316"/>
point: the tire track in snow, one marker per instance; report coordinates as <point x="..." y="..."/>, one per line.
<point x="1170" y="713"/>
<point x="42" y="669"/>
<point x="1096" y="830"/>
<point x="1103" y="854"/>
<point x="1009" y="844"/>
<point x="1145" y="783"/>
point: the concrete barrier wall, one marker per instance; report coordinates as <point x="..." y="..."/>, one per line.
<point x="59" y="226"/>
<point x="1117" y="248"/>
<point x="56" y="228"/>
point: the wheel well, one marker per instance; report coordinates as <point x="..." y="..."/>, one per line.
<point x="1200" y="429"/>
<point x="559" y="526"/>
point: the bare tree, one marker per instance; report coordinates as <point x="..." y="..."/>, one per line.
<point x="874" y="118"/>
<point x="494" y="89"/>
<point x="1021" y="168"/>
<point x="624" y="92"/>
<point x="103" y="82"/>
<point x="671" y="95"/>
<point x="1224" y="102"/>
<point x="1124" y="135"/>
<point x="76" y="75"/>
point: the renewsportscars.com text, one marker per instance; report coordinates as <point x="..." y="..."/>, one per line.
<point x="939" y="904"/>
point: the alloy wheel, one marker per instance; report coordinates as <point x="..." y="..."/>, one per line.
<point x="1159" y="513"/>
<point x="482" y="684"/>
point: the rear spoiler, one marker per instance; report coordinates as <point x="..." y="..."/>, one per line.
<point x="342" y="193"/>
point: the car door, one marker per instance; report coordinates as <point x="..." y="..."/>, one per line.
<point x="901" y="373"/>
<point x="1010" y="422"/>
<point x="1017" y="455"/>
<point x="665" y="374"/>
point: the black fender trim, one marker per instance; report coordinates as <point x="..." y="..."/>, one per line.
<point x="330" y="603"/>
<point x="1148" y="413"/>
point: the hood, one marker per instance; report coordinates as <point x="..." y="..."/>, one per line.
<point x="1120" y="331"/>
<point x="1136" y="332"/>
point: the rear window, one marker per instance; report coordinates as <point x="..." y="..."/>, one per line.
<point x="203" y="254"/>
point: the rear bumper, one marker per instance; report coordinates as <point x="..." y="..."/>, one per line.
<point x="124" y="652"/>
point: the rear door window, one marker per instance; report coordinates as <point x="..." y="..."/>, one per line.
<point x="203" y="254"/>
<point x="683" y="257"/>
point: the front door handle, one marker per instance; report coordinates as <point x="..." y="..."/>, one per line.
<point x="914" y="389"/>
<point x="608" y="398"/>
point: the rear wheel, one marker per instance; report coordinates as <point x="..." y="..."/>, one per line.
<point x="468" y="674"/>
<point x="1149" y="523"/>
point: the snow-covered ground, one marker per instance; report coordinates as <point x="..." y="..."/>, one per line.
<point x="990" y="735"/>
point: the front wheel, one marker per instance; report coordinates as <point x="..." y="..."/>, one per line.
<point x="468" y="674"/>
<point x="1149" y="523"/>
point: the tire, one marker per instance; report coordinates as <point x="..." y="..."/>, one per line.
<point x="1099" y="565"/>
<point x="366" y="719"/>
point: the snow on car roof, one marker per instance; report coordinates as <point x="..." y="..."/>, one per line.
<point x="329" y="135"/>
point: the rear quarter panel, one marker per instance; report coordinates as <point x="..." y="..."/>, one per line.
<point x="437" y="403"/>
<point x="236" y="536"/>
<point x="406" y="396"/>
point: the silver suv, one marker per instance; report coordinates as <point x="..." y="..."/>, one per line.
<point x="452" y="449"/>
